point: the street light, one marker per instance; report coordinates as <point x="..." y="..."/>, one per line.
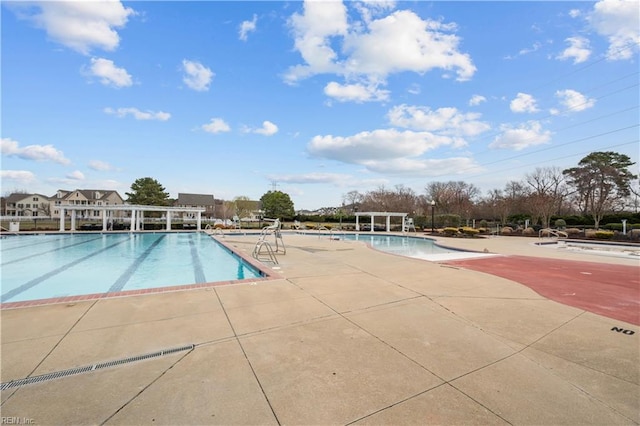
<point x="433" y="209"/>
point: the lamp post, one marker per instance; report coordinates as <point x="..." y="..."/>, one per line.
<point x="355" y="209"/>
<point x="433" y="209"/>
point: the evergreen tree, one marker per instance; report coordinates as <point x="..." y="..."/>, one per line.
<point x="601" y="182"/>
<point x="277" y="205"/>
<point x="147" y="192"/>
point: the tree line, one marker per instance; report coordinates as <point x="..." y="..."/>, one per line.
<point x="600" y="184"/>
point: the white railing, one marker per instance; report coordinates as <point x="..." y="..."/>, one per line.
<point x="552" y="233"/>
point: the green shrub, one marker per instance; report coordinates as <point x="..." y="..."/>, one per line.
<point x="483" y="224"/>
<point x="468" y="231"/>
<point x="450" y="231"/>
<point x="604" y="235"/>
<point x="560" y="223"/>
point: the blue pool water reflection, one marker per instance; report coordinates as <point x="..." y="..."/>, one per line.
<point x="419" y="248"/>
<point x="60" y="265"/>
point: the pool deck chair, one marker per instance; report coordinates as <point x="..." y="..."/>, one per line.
<point x="297" y="225"/>
<point x="408" y="225"/>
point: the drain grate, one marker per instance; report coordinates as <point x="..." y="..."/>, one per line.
<point x="87" y="368"/>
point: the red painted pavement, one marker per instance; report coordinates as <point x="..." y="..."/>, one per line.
<point x="605" y="289"/>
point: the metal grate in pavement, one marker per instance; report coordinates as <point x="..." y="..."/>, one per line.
<point x="88" y="368"/>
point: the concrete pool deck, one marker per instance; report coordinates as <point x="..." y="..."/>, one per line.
<point x="347" y="335"/>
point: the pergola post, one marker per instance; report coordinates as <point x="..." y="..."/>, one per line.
<point x="62" y="213"/>
<point x="168" y="220"/>
<point x="388" y="223"/>
<point x="132" y="227"/>
<point x="373" y="220"/>
<point x="199" y="220"/>
<point x="104" y="220"/>
<point x="73" y="220"/>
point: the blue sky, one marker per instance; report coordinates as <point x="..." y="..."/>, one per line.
<point x="315" y="99"/>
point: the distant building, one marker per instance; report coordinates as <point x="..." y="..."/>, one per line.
<point x="85" y="197"/>
<point x="205" y="201"/>
<point x="31" y="205"/>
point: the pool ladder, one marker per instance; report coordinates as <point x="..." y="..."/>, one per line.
<point x="6" y="232"/>
<point x="264" y="253"/>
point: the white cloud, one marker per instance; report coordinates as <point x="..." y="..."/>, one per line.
<point x="312" y="32"/>
<point x="371" y="8"/>
<point x="138" y="115"/>
<point x="377" y="145"/>
<point x="414" y="89"/>
<point x="574" y="101"/>
<point x="100" y="166"/>
<point x="355" y="92"/>
<point x="216" y="125"/>
<point x="574" y="13"/>
<point x="578" y="50"/>
<point x="402" y="42"/>
<point x="197" y="76"/>
<point x="525" y="51"/>
<point x="18" y="177"/>
<point x="424" y="167"/>
<point x="477" y="100"/>
<point x="521" y="137"/>
<point x="12" y="148"/>
<point x="79" y="25"/>
<point x="371" y="50"/>
<point x="311" y="178"/>
<point x="389" y="151"/>
<point x="109" y="74"/>
<point x="247" y="27"/>
<point x="619" y="22"/>
<point x="267" y="129"/>
<point x="448" y="121"/>
<point x="75" y="175"/>
<point x="534" y="48"/>
<point x="523" y="102"/>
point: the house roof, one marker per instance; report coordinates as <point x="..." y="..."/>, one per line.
<point x="19" y="196"/>
<point x="90" y="194"/>
<point x="195" y="200"/>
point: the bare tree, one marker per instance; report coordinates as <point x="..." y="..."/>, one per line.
<point x="352" y="199"/>
<point x="513" y="201"/>
<point x="454" y="197"/>
<point x="546" y="193"/>
<point x="244" y="206"/>
<point x="227" y="209"/>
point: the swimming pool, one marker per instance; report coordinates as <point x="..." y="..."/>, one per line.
<point x="62" y="265"/>
<point x="419" y="248"/>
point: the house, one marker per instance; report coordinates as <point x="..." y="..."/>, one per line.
<point x="204" y="201"/>
<point x="85" y="197"/>
<point x="22" y="204"/>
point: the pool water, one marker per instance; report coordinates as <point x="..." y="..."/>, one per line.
<point x="419" y="248"/>
<point x="47" y="266"/>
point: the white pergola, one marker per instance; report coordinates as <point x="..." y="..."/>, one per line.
<point x="388" y="215"/>
<point x="137" y="214"/>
